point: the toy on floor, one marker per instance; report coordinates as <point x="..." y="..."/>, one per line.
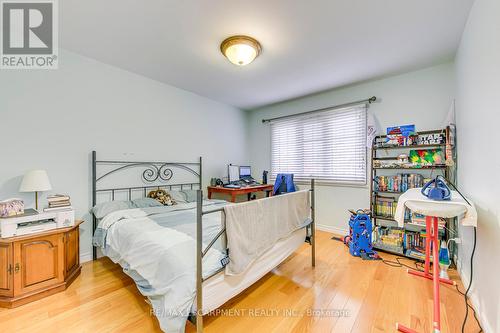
<point x="359" y="239"/>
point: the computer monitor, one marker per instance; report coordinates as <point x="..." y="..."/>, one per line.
<point x="245" y="172"/>
<point x="233" y="173"/>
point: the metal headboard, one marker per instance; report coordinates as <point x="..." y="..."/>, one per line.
<point x="154" y="174"/>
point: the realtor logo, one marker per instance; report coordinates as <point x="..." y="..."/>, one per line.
<point x="29" y="34"/>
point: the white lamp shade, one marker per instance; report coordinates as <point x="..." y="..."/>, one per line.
<point x="34" y="181"/>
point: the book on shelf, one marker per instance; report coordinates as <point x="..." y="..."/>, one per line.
<point x="385" y="206"/>
<point x="413" y="240"/>
<point x="389" y="237"/>
<point x="398" y="183"/>
<point x="417" y="254"/>
<point x="390" y="248"/>
<point x="409" y="243"/>
<point x="419" y="219"/>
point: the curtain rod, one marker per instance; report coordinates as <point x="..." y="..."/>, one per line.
<point x="368" y="100"/>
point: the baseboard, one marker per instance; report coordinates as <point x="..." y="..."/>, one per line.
<point x="84" y="257"/>
<point x="332" y="229"/>
<point x="474" y="299"/>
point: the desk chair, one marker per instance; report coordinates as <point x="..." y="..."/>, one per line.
<point x="284" y="184"/>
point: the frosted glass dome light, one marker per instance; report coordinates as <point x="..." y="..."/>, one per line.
<point x="240" y="50"/>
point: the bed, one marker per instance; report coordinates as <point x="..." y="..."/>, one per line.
<point x="184" y="257"/>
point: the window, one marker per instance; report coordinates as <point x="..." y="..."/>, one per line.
<point x="329" y="146"/>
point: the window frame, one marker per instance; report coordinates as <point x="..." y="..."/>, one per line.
<point x="332" y="182"/>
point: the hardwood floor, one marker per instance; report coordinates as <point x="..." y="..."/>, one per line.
<point x="373" y="295"/>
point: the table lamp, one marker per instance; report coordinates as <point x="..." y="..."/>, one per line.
<point x="35" y="181"/>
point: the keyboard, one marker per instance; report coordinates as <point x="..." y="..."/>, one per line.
<point x="232" y="186"/>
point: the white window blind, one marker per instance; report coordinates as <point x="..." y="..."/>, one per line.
<point x="328" y="146"/>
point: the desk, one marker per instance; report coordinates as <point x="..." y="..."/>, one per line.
<point x="233" y="192"/>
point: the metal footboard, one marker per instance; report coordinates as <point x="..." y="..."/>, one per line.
<point x="200" y="252"/>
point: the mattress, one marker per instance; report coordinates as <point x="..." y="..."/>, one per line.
<point x="220" y="288"/>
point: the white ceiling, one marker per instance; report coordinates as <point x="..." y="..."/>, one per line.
<point x="308" y="45"/>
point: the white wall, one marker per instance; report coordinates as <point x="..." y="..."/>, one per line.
<point x="53" y="119"/>
<point x="478" y="116"/>
<point x="422" y="98"/>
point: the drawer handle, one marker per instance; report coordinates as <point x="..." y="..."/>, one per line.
<point x="10" y="269"/>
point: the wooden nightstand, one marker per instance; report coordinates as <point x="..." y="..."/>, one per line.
<point x="38" y="265"/>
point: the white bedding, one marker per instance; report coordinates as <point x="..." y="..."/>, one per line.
<point x="156" y="247"/>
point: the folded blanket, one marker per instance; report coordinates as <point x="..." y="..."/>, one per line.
<point x="255" y="226"/>
<point x="428" y="207"/>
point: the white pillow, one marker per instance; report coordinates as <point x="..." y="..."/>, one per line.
<point x="146" y="202"/>
<point x="105" y="208"/>
<point x="183" y="196"/>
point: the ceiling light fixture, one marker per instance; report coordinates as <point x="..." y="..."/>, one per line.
<point x="240" y="50"/>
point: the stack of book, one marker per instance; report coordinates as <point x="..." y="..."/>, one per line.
<point x="58" y="202"/>
<point x="414" y="241"/>
<point x="389" y="239"/>
<point x="385" y="206"/>
<point x="414" y="244"/>
<point x="419" y="219"/>
<point x="398" y="183"/>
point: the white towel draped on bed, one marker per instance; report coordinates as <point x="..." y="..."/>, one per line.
<point x="255" y="226"/>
